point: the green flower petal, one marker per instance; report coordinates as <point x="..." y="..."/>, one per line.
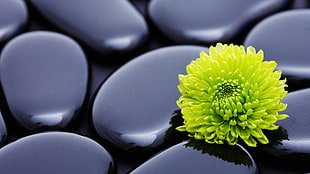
<point x="250" y="142"/>
<point x="263" y="139"/>
<point x="231" y="94"/>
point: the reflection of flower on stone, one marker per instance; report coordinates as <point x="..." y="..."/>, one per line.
<point x="233" y="154"/>
<point x="230" y="94"/>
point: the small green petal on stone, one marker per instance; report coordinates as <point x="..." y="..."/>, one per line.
<point x="181" y="128"/>
<point x="282" y="117"/>
<point x="243" y="133"/>
<point x="257" y="133"/>
<point x="263" y="139"/>
<point x="232" y="140"/>
<point x="250" y="142"/>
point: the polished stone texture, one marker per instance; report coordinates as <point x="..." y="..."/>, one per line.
<point x="44" y="79"/>
<point x="209" y="21"/>
<point x="13" y="18"/>
<point x="55" y="152"/>
<point x="106" y="26"/>
<point x="285" y="38"/>
<point x="131" y="112"/>
<point x="134" y="105"/>
<point x="197" y="157"/>
<point x="296" y="143"/>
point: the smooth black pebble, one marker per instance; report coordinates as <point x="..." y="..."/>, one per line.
<point x="197" y="157"/>
<point x="55" y="152"/>
<point x="209" y="21"/>
<point x="106" y="26"/>
<point x="133" y="107"/>
<point x="13" y="18"/>
<point x="44" y="78"/>
<point x="285" y="38"/>
<point x="293" y="138"/>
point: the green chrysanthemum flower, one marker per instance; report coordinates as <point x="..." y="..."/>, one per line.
<point x="230" y="94"/>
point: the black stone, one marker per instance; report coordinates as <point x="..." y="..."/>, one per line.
<point x="197" y="157"/>
<point x="296" y="144"/>
<point x="44" y="79"/>
<point x="107" y="26"/>
<point x="209" y="21"/>
<point x="100" y="66"/>
<point x="133" y="107"/>
<point x="55" y="152"/>
<point x="13" y="18"/>
<point x="285" y="38"/>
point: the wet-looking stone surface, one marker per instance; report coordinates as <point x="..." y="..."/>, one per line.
<point x="90" y="86"/>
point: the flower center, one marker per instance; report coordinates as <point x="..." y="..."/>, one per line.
<point x="226" y="89"/>
<point x="227" y="99"/>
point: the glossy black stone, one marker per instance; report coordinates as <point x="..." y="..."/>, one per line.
<point x="13" y="18"/>
<point x="107" y="26"/>
<point x="197" y="157"/>
<point x="3" y="131"/>
<point x="209" y="21"/>
<point x="44" y="79"/>
<point x="100" y="66"/>
<point x="55" y="152"/>
<point x="296" y="143"/>
<point x="285" y="38"/>
<point x="134" y="105"/>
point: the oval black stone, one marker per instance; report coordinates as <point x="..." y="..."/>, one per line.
<point x="134" y="105"/>
<point x="44" y="79"/>
<point x="209" y="21"/>
<point x="197" y="157"/>
<point x="285" y="38"/>
<point x="107" y="26"/>
<point x="55" y="152"/>
<point x="13" y="18"/>
<point x="293" y="136"/>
